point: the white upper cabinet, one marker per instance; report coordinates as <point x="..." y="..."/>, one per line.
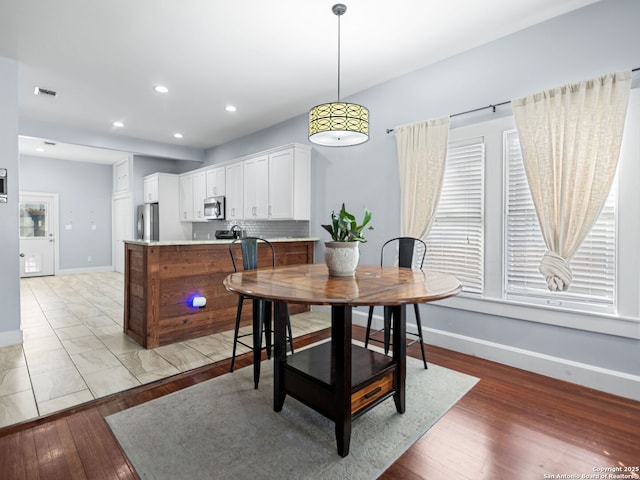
<point x="216" y="182"/>
<point x="234" y="181"/>
<point x="256" y="188"/>
<point x="290" y="184"/>
<point x="271" y="185"/>
<point x="193" y="191"/>
<point x="186" y="197"/>
<point x="199" y="194"/>
<point x="151" y="188"/>
<point x="277" y="184"/>
<point x="281" y="185"/>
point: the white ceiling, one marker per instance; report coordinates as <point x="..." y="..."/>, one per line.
<point x="273" y="60"/>
<point x="66" y="151"/>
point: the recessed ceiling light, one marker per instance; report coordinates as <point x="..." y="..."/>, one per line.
<point x="177" y="135"/>
<point x="39" y="149"/>
<point x="230" y="108"/>
<point x="118" y="124"/>
<point x="161" y="89"/>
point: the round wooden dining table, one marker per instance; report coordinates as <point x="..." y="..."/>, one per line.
<point x="339" y="379"/>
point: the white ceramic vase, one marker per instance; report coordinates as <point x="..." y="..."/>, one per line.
<point x="341" y="258"/>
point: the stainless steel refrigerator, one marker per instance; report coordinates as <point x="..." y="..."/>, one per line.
<point x="147" y="224"/>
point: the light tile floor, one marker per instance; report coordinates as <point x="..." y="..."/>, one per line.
<point x="74" y="350"/>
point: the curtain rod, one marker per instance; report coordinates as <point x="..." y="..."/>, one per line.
<point x="493" y="106"/>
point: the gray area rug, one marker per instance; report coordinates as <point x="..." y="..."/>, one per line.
<point x="224" y="429"/>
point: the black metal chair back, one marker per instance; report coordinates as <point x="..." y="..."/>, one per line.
<point x="249" y="251"/>
<point x="411" y="251"/>
<point x="248" y="247"/>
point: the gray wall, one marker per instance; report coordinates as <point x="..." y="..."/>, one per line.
<point x="594" y="40"/>
<point x="9" y="244"/>
<point x="84" y="191"/>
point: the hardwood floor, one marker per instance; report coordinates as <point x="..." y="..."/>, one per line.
<point x="511" y="425"/>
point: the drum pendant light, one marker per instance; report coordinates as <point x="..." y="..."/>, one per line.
<point x="338" y="124"/>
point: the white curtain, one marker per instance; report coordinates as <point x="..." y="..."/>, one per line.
<point x="422" y="152"/>
<point x="570" y="138"/>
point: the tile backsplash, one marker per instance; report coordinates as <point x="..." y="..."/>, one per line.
<point x="253" y="228"/>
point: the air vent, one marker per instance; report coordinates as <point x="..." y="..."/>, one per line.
<point x="44" y="91"/>
<point x="52" y="144"/>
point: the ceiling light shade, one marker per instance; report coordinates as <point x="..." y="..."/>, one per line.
<point x="337" y="124"/>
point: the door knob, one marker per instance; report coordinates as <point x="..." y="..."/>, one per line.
<point x="22" y="255"/>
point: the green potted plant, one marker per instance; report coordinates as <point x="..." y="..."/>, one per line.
<point x="342" y="254"/>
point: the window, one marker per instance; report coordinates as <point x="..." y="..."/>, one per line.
<point x="604" y="295"/>
<point x="33" y="219"/>
<point x="455" y="241"/>
<point x="593" y="265"/>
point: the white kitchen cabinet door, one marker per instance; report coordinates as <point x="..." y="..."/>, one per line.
<point x="199" y="194"/>
<point x="186" y="198"/>
<point x="256" y="188"/>
<point x="121" y="180"/>
<point x="234" y="187"/>
<point x="281" y="185"/>
<point x="216" y="183"/>
<point x="150" y="187"/>
<point x="290" y="183"/>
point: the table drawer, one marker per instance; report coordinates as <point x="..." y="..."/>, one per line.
<point x="372" y="392"/>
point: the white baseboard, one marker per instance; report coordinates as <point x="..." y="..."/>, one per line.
<point x="610" y="381"/>
<point x="12" y="337"/>
<point x="70" y="271"/>
<point x="602" y="379"/>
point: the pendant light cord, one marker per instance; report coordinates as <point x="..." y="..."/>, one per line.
<point x="339" y="15"/>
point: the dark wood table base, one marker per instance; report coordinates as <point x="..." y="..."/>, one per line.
<point x="338" y="379"/>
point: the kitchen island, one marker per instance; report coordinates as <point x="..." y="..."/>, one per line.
<point x="161" y="279"/>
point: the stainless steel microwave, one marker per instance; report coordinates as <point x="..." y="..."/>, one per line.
<point x="214" y="208"/>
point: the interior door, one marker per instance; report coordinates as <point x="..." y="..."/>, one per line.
<point x="38" y="213"/>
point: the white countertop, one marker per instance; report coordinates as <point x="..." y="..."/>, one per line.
<point x="216" y="242"/>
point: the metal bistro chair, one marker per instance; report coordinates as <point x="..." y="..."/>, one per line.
<point x="406" y="247"/>
<point x="248" y="247"/>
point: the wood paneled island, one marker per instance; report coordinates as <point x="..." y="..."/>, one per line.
<point x="161" y="278"/>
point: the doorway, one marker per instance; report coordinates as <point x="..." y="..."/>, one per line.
<point x="38" y="233"/>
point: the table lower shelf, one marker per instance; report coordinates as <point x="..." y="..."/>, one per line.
<point x="309" y="379"/>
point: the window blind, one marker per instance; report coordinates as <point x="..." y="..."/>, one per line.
<point x="593" y="265"/>
<point x="455" y="243"/>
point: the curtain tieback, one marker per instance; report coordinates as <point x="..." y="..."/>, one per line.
<point x="556" y="271"/>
